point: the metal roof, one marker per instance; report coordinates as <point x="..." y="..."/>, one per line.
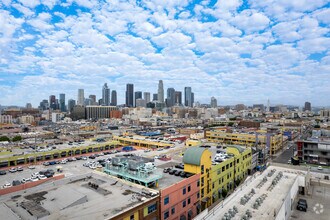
<point x="193" y="155"/>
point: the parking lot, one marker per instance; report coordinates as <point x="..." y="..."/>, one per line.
<point x="76" y="167"/>
<point x="318" y="204"/>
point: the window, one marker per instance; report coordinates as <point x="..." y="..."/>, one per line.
<point x="184" y="191"/>
<point x="198" y="195"/>
<point x="198" y="183"/>
<point x="166" y="200"/>
<point x="227" y="166"/>
<point x="223" y="169"/>
<point x="166" y="215"/>
<point x="132" y="217"/>
<point x="202" y="169"/>
<point x="231" y="164"/>
<point x="213" y="185"/>
<point x="189" y="188"/>
<point x="173" y="210"/>
<point x="152" y="208"/>
<point x="184" y="204"/>
<point x="188" y="201"/>
<point x="218" y="171"/>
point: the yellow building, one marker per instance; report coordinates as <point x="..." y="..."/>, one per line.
<point x="259" y="139"/>
<point x="199" y="160"/>
<point x="220" y="178"/>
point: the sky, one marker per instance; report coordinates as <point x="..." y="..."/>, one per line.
<point x="239" y="51"/>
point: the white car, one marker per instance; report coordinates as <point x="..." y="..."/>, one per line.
<point x="34" y="179"/>
<point x="84" y="158"/>
<point x="64" y="161"/>
<point x="42" y="177"/>
<point x="92" y="166"/>
<point x="6" y="185"/>
<point x="31" y="167"/>
<point x="320" y="168"/>
<point x="25" y="180"/>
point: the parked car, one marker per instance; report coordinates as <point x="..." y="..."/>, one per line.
<point x="25" y="180"/>
<point x="3" y="172"/>
<point x="31" y="167"/>
<point x="179" y="166"/>
<point x="91" y="157"/>
<point x="177" y="173"/>
<point x="320" y="168"/>
<point x="34" y="179"/>
<point x="16" y="182"/>
<point x="6" y="185"/>
<point x="166" y="170"/>
<point x="183" y="174"/>
<point x="12" y="170"/>
<point x="42" y="177"/>
<point x="45" y="163"/>
<point x="171" y="172"/>
<point x="146" y="151"/>
<point x="302" y="205"/>
<point x="19" y="168"/>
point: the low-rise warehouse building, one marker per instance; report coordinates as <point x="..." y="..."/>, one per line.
<point x="269" y="195"/>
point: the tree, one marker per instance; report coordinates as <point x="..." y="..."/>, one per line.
<point x="224" y="193"/>
<point x="17" y="138"/>
<point x="4" y="138"/>
<point x="230" y="124"/>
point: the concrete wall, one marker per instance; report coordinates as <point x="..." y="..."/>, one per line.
<point x="29" y="185"/>
<point x="286" y="209"/>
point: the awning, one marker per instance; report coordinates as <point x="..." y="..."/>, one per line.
<point x="182" y="217"/>
<point x="190" y="213"/>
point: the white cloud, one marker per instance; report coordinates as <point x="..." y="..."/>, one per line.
<point x="250" y="21"/>
<point x="30" y="3"/>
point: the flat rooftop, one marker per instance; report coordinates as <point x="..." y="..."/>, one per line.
<point x="75" y="198"/>
<point x="270" y="197"/>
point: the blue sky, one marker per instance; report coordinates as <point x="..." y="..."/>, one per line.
<point x="239" y="51"/>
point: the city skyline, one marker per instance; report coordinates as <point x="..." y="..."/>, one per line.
<point x="236" y="51"/>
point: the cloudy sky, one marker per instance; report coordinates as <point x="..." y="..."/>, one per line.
<point x="239" y="51"/>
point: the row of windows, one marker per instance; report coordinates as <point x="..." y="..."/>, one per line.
<point x="184" y="204"/>
<point x="184" y="191"/>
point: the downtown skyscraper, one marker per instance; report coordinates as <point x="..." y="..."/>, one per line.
<point x="129" y="95"/>
<point x="105" y="95"/>
<point x="81" y="97"/>
<point x="188" y="97"/>
<point x="160" y="91"/>
<point x="62" y="102"/>
<point x="113" y="98"/>
<point x="170" y="100"/>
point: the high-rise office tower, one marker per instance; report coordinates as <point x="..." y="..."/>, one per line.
<point x="214" y="102"/>
<point x="146" y="96"/>
<point x="114" y="98"/>
<point x="106" y="95"/>
<point x="52" y="102"/>
<point x="268" y="106"/>
<point x="170" y="97"/>
<point x="81" y="97"/>
<point x="44" y="104"/>
<point x="62" y="102"/>
<point x="138" y="95"/>
<point x="160" y="91"/>
<point x="129" y="95"/>
<point x="155" y="97"/>
<point x="71" y="104"/>
<point x="192" y="99"/>
<point x="308" y="106"/>
<point x="93" y="98"/>
<point x="28" y="105"/>
<point x="188" y="97"/>
<point x="178" y="97"/>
